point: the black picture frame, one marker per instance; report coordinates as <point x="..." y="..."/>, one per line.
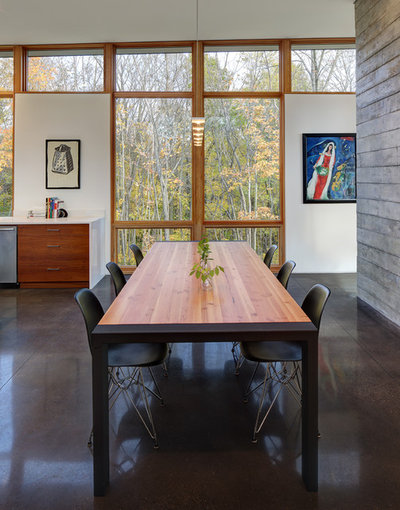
<point x="329" y="168"/>
<point x="63" y="164"/>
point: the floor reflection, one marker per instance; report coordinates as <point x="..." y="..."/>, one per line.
<point x="206" y="459"/>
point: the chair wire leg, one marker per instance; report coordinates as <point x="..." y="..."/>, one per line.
<point x="249" y="391"/>
<point x="152" y="432"/>
<point x="238" y="359"/>
<point x="258" y="425"/>
<point x="142" y="388"/>
<point x="166" y="363"/>
<point x="156" y="393"/>
<point x="120" y="381"/>
<point x="113" y="393"/>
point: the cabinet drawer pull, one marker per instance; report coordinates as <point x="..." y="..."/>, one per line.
<point x="53" y="230"/>
<point x="53" y="246"/>
<point x="53" y="269"/>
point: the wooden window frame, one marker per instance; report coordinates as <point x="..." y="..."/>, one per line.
<point x="197" y="224"/>
<point x="138" y="224"/>
<point x="60" y="47"/>
<point x="315" y="42"/>
<point x="10" y="94"/>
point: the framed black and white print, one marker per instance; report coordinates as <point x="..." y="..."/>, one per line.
<point x="329" y="168"/>
<point x="62" y="164"/>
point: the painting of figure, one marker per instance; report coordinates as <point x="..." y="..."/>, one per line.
<point x="329" y="168"/>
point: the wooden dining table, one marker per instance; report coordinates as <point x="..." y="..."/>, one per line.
<point x="162" y="303"/>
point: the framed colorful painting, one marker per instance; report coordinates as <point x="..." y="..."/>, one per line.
<point x="329" y="168"/>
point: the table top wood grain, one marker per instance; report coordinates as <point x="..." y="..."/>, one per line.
<point x="161" y="291"/>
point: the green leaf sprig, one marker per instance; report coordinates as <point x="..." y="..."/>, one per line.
<point x="201" y="269"/>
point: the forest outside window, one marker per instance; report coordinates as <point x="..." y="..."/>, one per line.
<point x="153" y="146"/>
<point x="145" y="238"/>
<point x="67" y="70"/>
<point x="153" y="69"/>
<point x="6" y="155"/>
<point x="241" y="68"/>
<point x="235" y="179"/>
<point x="153" y="170"/>
<point x="323" y="68"/>
<point x="6" y="71"/>
<point x="6" y="131"/>
<point x="260" y="239"/>
<point x="242" y="177"/>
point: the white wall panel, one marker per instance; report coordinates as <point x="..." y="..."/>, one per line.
<point x="63" y="116"/>
<point x="321" y="238"/>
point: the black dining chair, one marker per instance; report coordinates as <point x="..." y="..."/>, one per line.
<point x="117" y="276"/>
<point x="125" y="364"/>
<point x="270" y="254"/>
<point x="119" y="281"/>
<point x="283" y="276"/>
<point x="282" y="359"/>
<point x="137" y="253"/>
<point x="285" y="271"/>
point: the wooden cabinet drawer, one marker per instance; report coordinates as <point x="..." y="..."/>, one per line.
<point x="54" y="272"/>
<point x="53" y="253"/>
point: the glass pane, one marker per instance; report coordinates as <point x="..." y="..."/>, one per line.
<point x="323" y="69"/>
<point x="6" y="70"/>
<point x="235" y="69"/>
<point x="68" y="72"/>
<point x="153" y="179"/>
<point x="260" y="239"/>
<point x="242" y="159"/>
<point x="154" y="70"/>
<point x="6" y="156"/>
<point x="144" y="238"/>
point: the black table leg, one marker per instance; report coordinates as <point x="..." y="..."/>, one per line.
<point x="100" y="419"/>
<point x="310" y="413"/>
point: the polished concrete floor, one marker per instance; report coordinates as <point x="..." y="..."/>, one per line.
<point x="206" y="460"/>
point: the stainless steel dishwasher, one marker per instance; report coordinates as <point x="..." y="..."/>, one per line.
<point x="8" y="255"/>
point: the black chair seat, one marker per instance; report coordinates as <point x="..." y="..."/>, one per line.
<point x="282" y="359"/>
<point x="271" y="351"/>
<point x="136" y="355"/>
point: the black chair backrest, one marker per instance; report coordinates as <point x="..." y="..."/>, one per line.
<point x="91" y="309"/>
<point x="137" y="252"/>
<point x="117" y="276"/>
<point x="269" y="255"/>
<point x="285" y="271"/>
<point x="314" y="303"/>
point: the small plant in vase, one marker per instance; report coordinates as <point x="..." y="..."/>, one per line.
<point x="202" y="269"/>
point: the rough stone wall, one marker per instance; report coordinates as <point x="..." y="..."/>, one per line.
<point x="378" y="147"/>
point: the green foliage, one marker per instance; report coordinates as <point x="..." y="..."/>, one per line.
<point x="258" y="238"/>
<point x="70" y="73"/>
<point x="145" y="238"/>
<point x="6" y="73"/>
<point x="6" y="157"/>
<point x="201" y="269"/>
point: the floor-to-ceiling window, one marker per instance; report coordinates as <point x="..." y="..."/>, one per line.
<point x="167" y="188"/>
<point x="153" y="147"/>
<point x="242" y="107"/>
<point x="6" y="131"/>
<point x="163" y="186"/>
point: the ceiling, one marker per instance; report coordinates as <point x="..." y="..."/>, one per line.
<point x="78" y="21"/>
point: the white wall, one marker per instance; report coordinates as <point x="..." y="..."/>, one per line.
<point x="56" y="21"/>
<point x="321" y="238"/>
<point x="63" y="116"/>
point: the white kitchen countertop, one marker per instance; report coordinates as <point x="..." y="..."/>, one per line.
<point x="71" y="220"/>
